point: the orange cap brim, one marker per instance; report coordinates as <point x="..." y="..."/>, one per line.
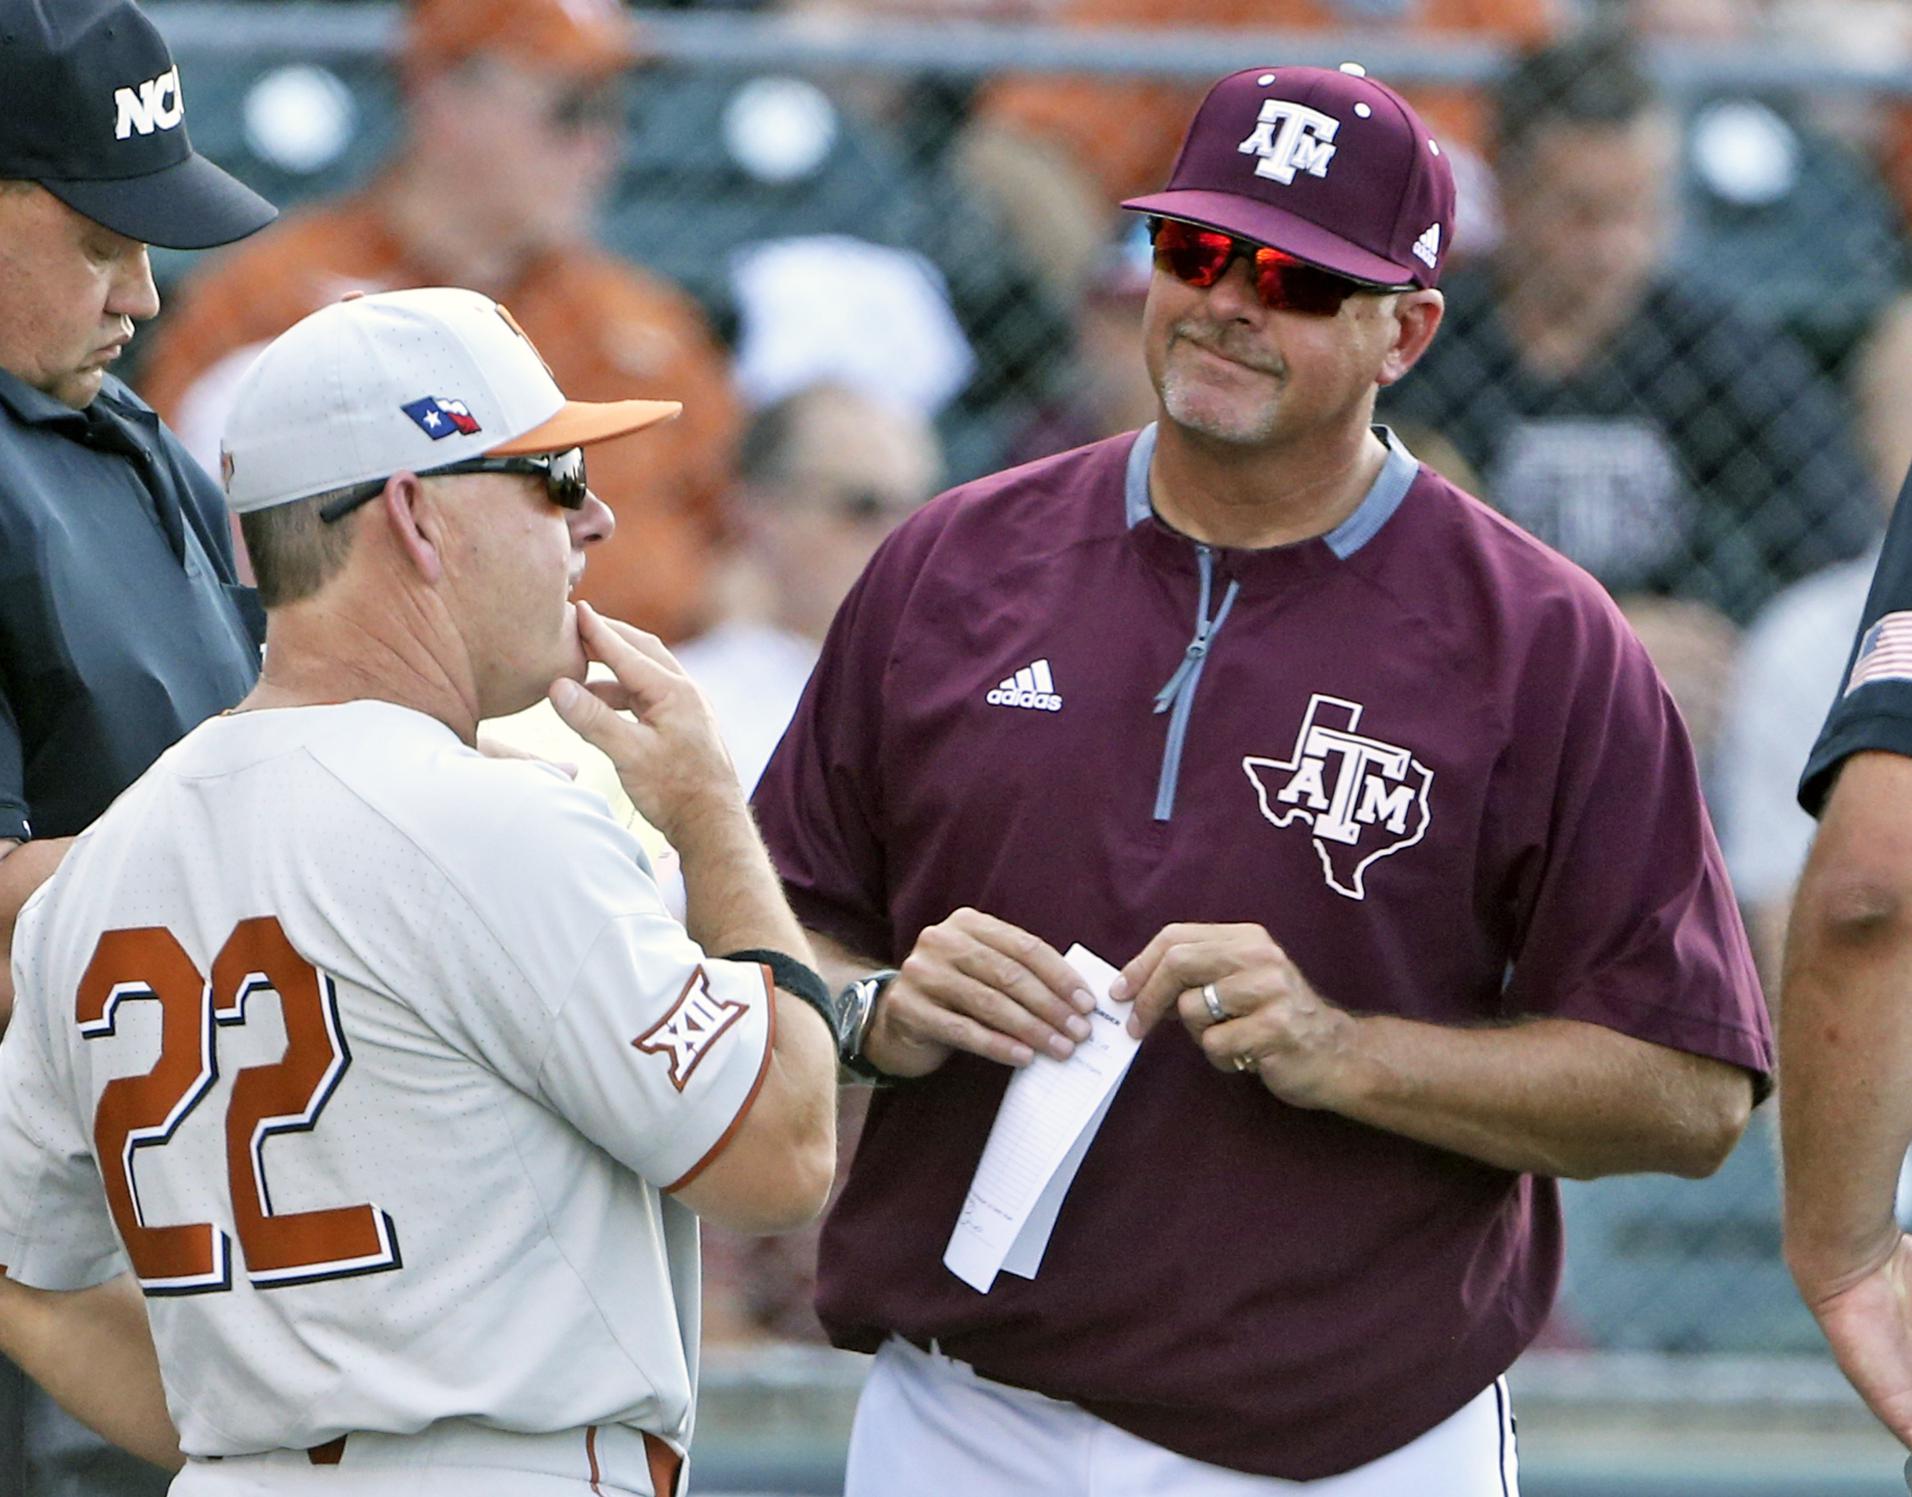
<point x="581" y="423"/>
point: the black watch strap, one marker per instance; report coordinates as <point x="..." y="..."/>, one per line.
<point x="857" y="1006"/>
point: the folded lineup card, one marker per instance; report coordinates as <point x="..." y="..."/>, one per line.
<point x="1048" y="1118"/>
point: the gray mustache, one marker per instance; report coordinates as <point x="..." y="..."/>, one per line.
<point x="1214" y="342"/>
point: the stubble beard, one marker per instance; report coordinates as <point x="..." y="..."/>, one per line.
<point x="1197" y="405"/>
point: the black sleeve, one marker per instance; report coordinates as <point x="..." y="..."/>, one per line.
<point x="13" y="774"/>
<point x="1874" y="706"/>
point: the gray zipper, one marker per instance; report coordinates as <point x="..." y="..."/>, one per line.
<point x="1177" y="696"/>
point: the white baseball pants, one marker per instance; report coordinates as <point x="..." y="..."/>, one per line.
<point x="454" y="1458"/>
<point x="926" y="1423"/>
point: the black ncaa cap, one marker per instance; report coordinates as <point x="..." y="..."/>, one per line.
<point x="90" y="108"/>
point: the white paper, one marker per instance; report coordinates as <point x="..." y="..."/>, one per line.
<point x="1048" y="1118"/>
<point x="1025" y="1253"/>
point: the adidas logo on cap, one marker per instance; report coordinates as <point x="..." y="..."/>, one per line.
<point x="1031" y="687"/>
<point x="1427" y="249"/>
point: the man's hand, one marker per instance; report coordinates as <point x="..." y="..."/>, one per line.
<point x="670" y="758"/>
<point x="978" y="984"/>
<point x="1869" y="1323"/>
<point x="1276" y="1025"/>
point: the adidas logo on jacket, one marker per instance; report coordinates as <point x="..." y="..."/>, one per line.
<point x="1032" y="686"/>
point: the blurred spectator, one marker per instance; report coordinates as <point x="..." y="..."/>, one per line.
<point x="1108" y="390"/>
<point x="1870" y="34"/>
<point x="1694" y="461"/>
<point x="739" y="177"/>
<point x="1792" y="666"/>
<point x="1784" y="680"/>
<point x="835" y="309"/>
<point x="1783" y="183"/>
<point x="512" y="111"/>
<point x="826" y="473"/>
<point x="1881" y="378"/>
<point x="1053" y="151"/>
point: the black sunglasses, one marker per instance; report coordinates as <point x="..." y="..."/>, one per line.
<point x="562" y="472"/>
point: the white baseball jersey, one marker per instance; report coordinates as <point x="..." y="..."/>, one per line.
<point x="386" y="1053"/>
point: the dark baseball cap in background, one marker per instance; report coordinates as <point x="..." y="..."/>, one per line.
<point x="91" y="109"/>
<point x="1325" y="164"/>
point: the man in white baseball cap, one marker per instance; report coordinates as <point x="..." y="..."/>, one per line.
<point x="364" y="399"/>
<point x="482" y="1083"/>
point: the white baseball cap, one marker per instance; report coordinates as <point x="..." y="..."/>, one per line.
<point x="402" y="382"/>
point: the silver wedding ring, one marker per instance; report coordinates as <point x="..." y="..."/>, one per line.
<point x="1214" y="1002"/>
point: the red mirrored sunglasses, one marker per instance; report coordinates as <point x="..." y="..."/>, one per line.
<point x="1201" y="257"/>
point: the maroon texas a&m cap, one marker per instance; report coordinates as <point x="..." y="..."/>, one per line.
<point x="1322" y="163"/>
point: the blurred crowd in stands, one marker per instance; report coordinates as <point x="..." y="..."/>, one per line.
<point x="1678" y="344"/>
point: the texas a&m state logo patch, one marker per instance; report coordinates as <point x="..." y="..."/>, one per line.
<point x="1360" y="798"/>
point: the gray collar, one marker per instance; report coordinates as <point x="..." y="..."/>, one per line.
<point x="1376" y="508"/>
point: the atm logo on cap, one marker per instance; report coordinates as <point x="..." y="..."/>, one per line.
<point x="1291" y="138"/>
<point x="157" y="104"/>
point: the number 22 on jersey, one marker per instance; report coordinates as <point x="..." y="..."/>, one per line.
<point x="148" y="965"/>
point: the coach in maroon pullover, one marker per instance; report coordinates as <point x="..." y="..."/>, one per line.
<point x="1379" y="800"/>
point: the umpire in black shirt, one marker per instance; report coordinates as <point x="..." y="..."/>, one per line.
<point x="122" y="622"/>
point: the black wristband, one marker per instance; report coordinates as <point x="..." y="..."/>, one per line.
<point x="798" y="981"/>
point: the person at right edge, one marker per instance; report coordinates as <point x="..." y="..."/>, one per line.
<point x="1845" y="1022"/>
<point x="1383" y="807"/>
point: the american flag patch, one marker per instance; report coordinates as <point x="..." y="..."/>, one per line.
<point x="1885" y="652"/>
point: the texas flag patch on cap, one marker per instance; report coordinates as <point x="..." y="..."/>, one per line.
<point x="439" y="418"/>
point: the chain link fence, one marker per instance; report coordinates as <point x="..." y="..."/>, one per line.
<point x="1677" y="353"/>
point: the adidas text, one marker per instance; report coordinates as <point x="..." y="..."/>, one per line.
<point x="1043" y="701"/>
<point x="1033" y="686"/>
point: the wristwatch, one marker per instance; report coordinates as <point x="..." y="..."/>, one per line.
<point x="856" y="1011"/>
